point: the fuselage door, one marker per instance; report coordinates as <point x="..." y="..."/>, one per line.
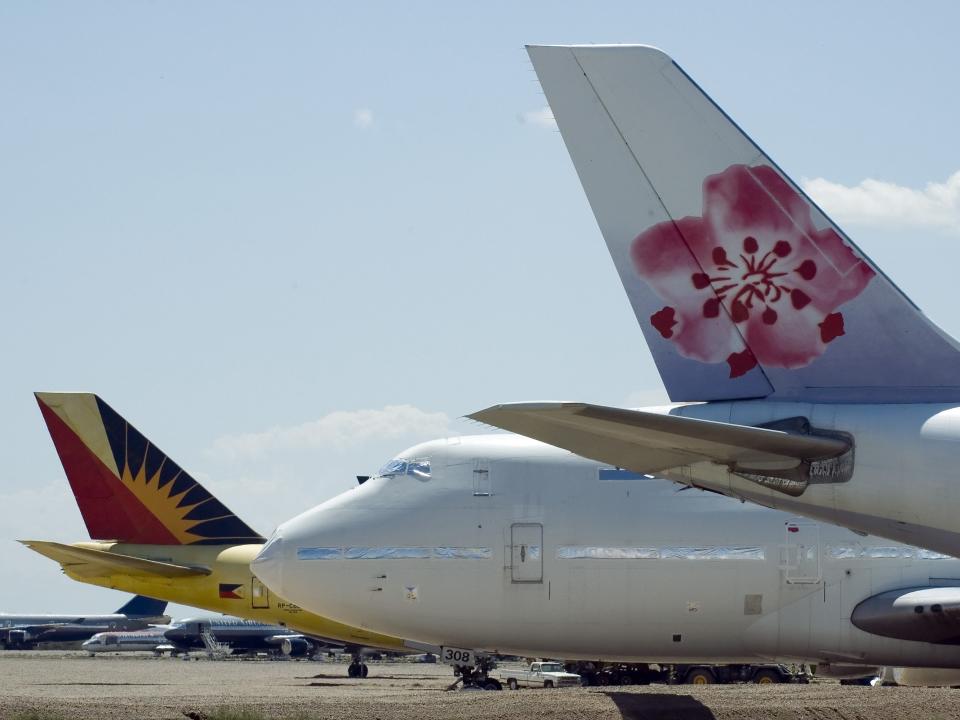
<point x="802" y="553"/>
<point x="259" y="594"/>
<point x="526" y="553"/>
<point x="481" y="479"/>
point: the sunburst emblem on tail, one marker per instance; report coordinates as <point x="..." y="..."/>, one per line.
<point x="128" y="490"/>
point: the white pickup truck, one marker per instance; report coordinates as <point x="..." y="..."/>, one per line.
<point x="540" y="674"/>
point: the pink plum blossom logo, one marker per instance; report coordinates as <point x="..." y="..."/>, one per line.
<point x="752" y="281"/>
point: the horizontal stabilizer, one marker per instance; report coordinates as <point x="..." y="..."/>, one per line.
<point x="85" y="562"/>
<point x="651" y="442"/>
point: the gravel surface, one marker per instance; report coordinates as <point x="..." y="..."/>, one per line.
<point x="140" y="687"/>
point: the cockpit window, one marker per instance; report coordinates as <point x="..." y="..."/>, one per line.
<point x="394" y="467"/>
<point x="419" y="468"/>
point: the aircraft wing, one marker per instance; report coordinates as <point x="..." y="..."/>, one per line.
<point x="40" y="630"/>
<point x="86" y="562"/>
<point x="649" y="442"/>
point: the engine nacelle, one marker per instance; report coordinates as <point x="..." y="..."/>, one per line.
<point x="18" y="639"/>
<point x="927" y="677"/>
<point x="295" y="646"/>
<point x="924" y="614"/>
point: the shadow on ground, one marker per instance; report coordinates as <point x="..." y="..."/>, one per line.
<point x="659" y="707"/>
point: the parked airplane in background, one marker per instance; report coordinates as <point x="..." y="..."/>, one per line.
<point x="503" y="544"/>
<point x="156" y="530"/>
<point x="232" y="635"/>
<point x="240" y="636"/>
<point x="819" y="388"/>
<point x="150" y="640"/>
<point x="22" y="632"/>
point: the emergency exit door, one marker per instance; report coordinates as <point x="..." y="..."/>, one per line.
<point x="526" y="553"/>
<point x="802" y="562"/>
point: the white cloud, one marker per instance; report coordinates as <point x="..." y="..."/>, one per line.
<point x="338" y="430"/>
<point x="542" y="118"/>
<point x="886" y="204"/>
<point x="363" y="118"/>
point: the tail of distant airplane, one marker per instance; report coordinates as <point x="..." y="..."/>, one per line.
<point x="128" y="490"/>
<point x="743" y="287"/>
<point x="142" y="606"/>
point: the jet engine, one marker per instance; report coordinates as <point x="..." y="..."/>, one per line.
<point x="925" y="614"/>
<point x="292" y="645"/>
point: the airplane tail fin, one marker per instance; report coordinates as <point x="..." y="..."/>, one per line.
<point x="743" y="287"/>
<point x="142" y="606"/>
<point x="127" y="489"/>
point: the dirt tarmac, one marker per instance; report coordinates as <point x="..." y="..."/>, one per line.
<point x="140" y="687"/>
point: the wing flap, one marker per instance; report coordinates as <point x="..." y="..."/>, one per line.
<point x="651" y="442"/>
<point x="86" y="562"/>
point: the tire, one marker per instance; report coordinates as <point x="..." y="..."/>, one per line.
<point x="492" y="684"/>
<point x="547" y="684"/>
<point x="512" y="684"/>
<point x="364" y="670"/>
<point x="767" y="677"/>
<point x="700" y="676"/>
<point x="353" y="671"/>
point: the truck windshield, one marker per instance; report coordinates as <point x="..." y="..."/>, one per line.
<point x="551" y="667"/>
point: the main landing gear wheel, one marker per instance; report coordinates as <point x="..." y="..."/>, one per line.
<point x="767" y="677"/>
<point x="357" y="670"/>
<point x="701" y="677"/>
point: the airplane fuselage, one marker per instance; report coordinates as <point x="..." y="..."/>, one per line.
<point x="69" y="628"/>
<point x="508" y="545"/>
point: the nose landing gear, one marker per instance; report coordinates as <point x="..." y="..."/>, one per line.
<point x="476" y="677"/>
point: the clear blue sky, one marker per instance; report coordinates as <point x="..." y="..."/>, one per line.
<point x="243" y="223"/>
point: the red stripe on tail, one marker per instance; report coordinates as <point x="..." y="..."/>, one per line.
<point x="110" y="510"/>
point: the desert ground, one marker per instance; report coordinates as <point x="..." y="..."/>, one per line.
<point x="52" y="684"/>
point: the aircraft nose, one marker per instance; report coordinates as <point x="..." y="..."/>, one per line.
<point x="268" y="564"/>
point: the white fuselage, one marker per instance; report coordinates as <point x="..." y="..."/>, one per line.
<point x="138" y="641"/>
<point x="510" y="545"/>
<point x="906" y="477"/>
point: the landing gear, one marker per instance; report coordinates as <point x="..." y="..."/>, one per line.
<point x="357" y="668"/>
<point x="477" y="677"/>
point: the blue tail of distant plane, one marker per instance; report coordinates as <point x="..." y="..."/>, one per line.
<point x="142" y="606"/>
<point x="743" y="287"/>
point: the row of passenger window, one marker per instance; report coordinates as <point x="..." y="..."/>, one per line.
<point x="394" y="553"/>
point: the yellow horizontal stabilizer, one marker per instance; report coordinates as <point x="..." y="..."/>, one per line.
<point x="92" y="563"/>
